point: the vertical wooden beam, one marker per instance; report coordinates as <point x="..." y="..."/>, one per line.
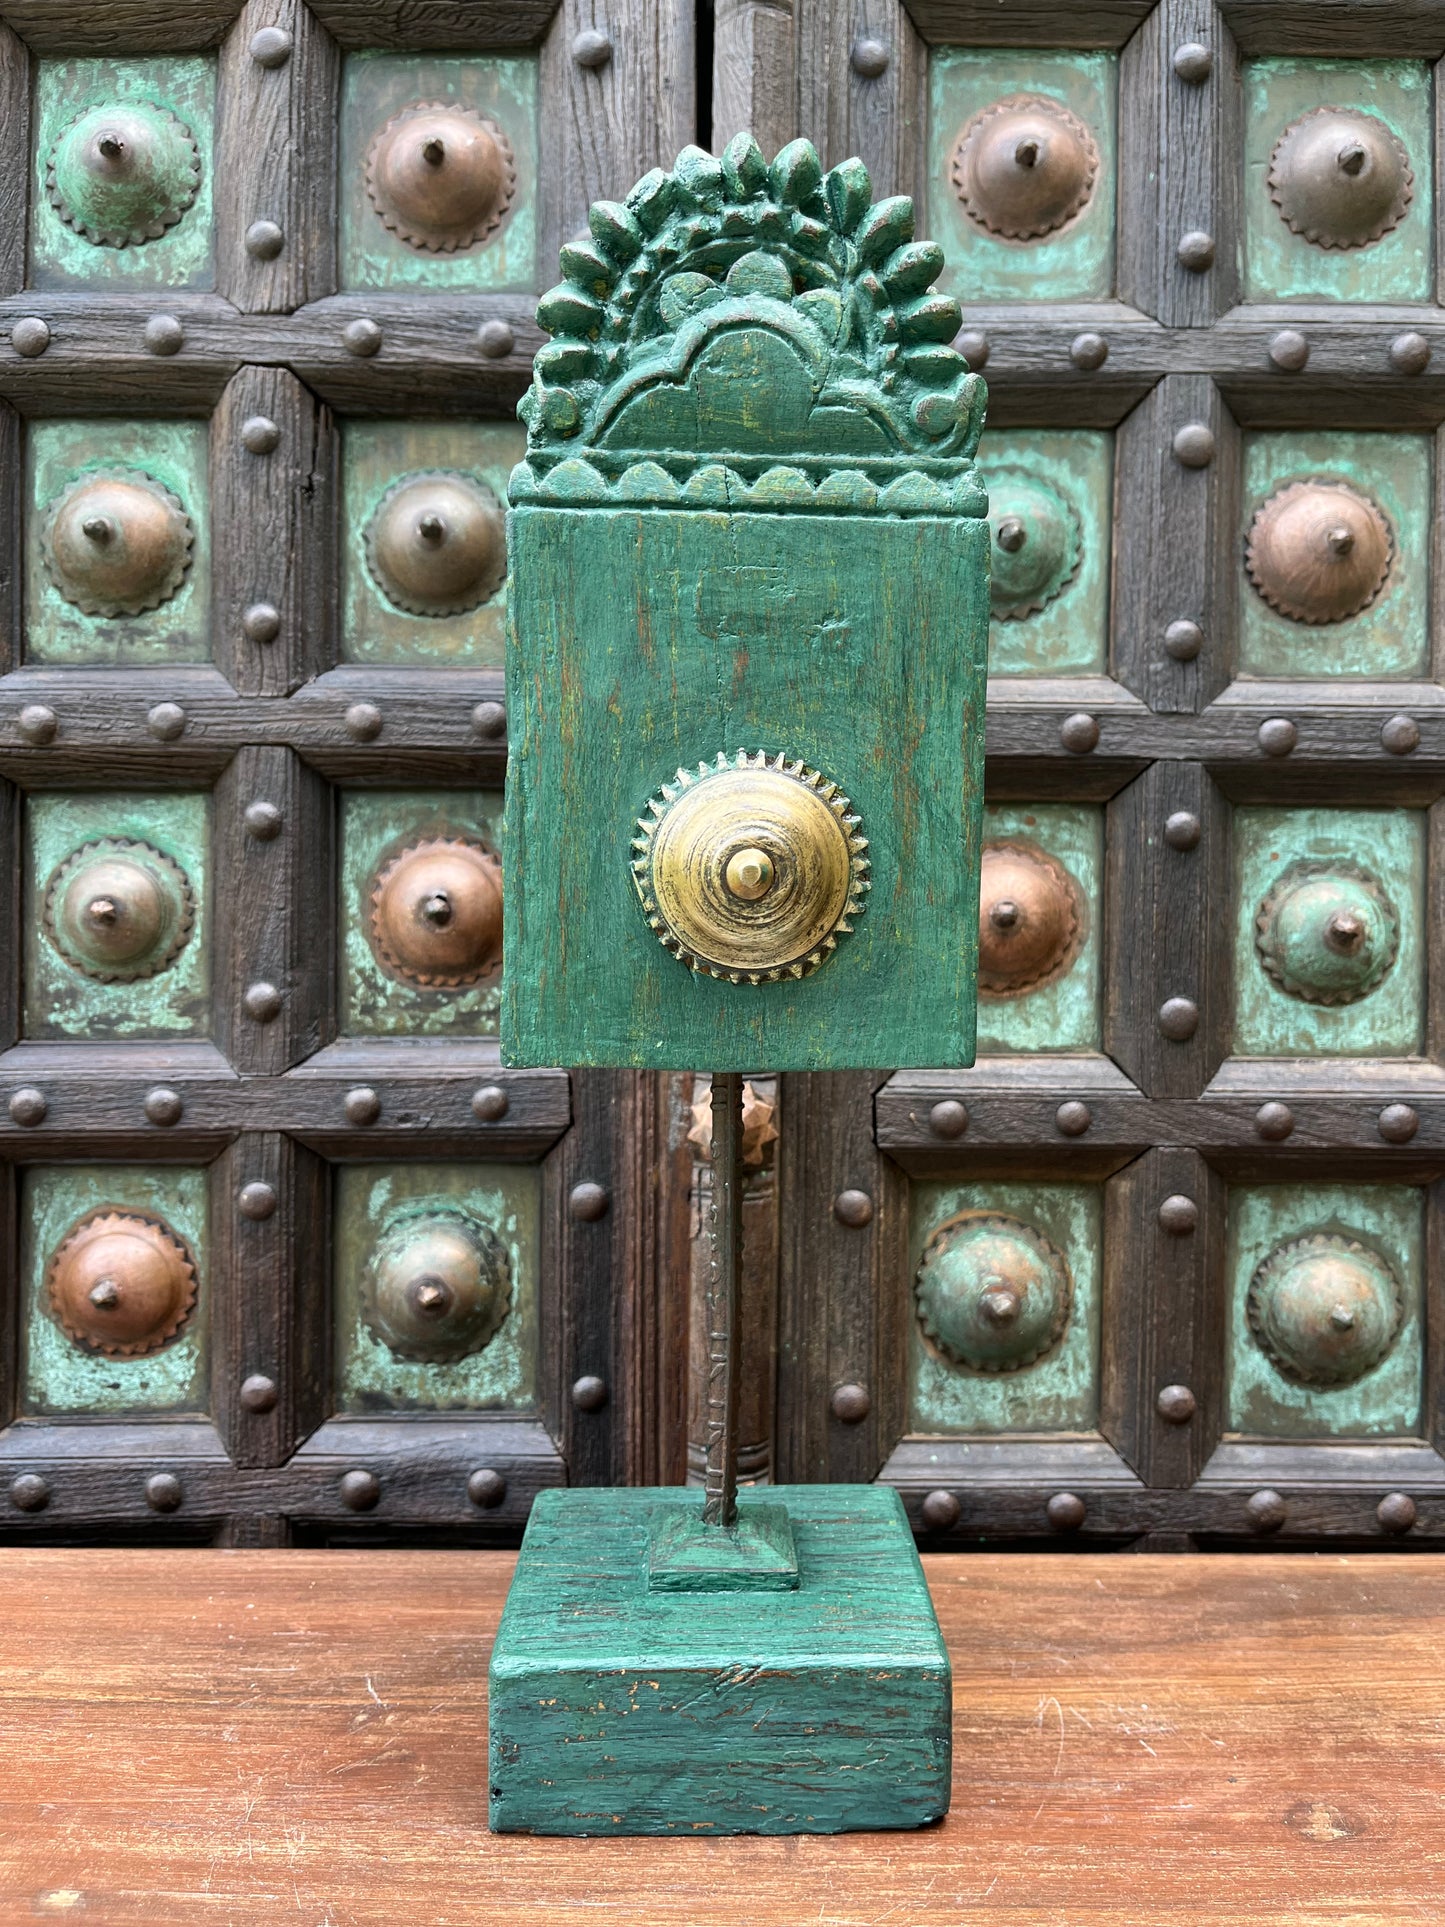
<point x="1180" y="174"/>
<point x="846" y="109"/>
<point x="604" y="127"/>
<point x="276" y="162"/>
<point x="1161" y="483"/>
<point x="12" y="935"/>
<point x="268" y="887"/>
<point x="1164" y="1315"/>
<point x="273" y="460"/>
<point x="270" y="1297"/>
<point x="14" y="158"/>
<point x="754" y="76"/>
<point x="13" y="504"/>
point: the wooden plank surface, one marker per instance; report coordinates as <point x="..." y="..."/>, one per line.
<point x="247" y="1737"/>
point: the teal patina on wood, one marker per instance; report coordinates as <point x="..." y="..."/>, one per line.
<point x="616" y="1709"/>
<point x="749" y="527"/>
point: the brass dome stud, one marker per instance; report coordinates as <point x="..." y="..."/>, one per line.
<point x="1036" y="543"/>
<point x="992" y="1292"/>
<point x="1340" y="178"/>
<point x="1024" y="167"/>
<point x="438" y="1286"/>
<point x="441" y="176"/>
<point x="116" y="542"/>
<point x="750" y="868"/>
<point x="1319" y="551"/>
<point x="121" y="174"/>
<point x="436" y="914"/>
<point x="437" y="544"/>
<point x="118" y="910"/>
<point x="1327" y="933"/>
<point x="1031" y="923"/>
<point x="1324" y="1309"/>
<point x="121" y="1282"/>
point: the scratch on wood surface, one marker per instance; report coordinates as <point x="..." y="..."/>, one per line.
<point x="1047" y="1701"/>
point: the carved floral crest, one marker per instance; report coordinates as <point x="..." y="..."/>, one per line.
<point x="739" y="335"/>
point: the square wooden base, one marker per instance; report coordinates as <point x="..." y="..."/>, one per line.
<point x="619" y="1709"/>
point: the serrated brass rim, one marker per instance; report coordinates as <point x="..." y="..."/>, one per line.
<point x="1044" y="1249"/>
<point x="828" y="792"/>
<point x="435" y="240"/>
<point x="1390" y="221"/>
<point x="119" y="1218"/>
<point x="92" y="605"/>
<point x="1289" y="880"/>
<point x="387" y="957"/>
<point x="1068" y="952"/>
<point x="461" y="606"/>
<point x="1282" y="604"/>
<point x="495" y="1253"/>
<point x="1053" y="109"/>
<point x="134" y="849"/>
<point x="129" y="237"/>
<point x="1073" y="525"/>
<point x="1280" y="1259"/>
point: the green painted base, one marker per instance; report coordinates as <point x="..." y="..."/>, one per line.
<point x="755" y="1555"/>
<point x="618" y="1708"/>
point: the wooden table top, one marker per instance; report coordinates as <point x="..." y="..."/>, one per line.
<point x="238" y="1737"/>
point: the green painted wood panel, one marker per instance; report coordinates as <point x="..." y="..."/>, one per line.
<point x="617" y="1710"/>
<point x="61" y="1001"/>
<point x="1077" y="262"/>
<point x="369" y="1200"/>
<point x="1389" y="845"/>
<point x="1062" y="1015"/>
<point x="1386" y="1402"/>
<point x="375" y="456"/>
<point x="173" y="453"/>
<point x="1069" y="635"/>
<point x="182" y="257"/>
<point x="1060" y="1391"/>
<point x="61" y="1377"/>
<point x="375" y="86"/>
<point x="377" y="825"/>
<point x="1280" y="265"/>
<point x="1391" y="636"/>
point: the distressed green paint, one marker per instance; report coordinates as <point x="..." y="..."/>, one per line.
<point x="376" y="86"/>
<point x="61" y="1377"/>
<point x="181" y="257"/>
<point x="377" y="825"/>
<point x="1386" y="1402"/>
<point x="613" y="1709"/>
<point x="369" y="1376"/>
<point x="1389" y="638"/>
<point x="375" y="455"/>
<point x="1062" y="1015"/>
<point x="1058" y="1393"/>
<point x="1069" y="636"/>
<point x="174" y="453"/>
<point x="1076" y="263"/>
<point x="61" y="1001"/>
<point x="1280" y="265"/>
<point x="1389" y="1020"/>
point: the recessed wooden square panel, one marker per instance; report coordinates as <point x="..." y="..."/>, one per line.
<point x="420" y="912"/>
<point x="424" y="545"/>
<point x="117" y="922"/>
<point x="117" y="561"/>
<point x="1040" y="927"/>
<point x="438" y="181"/>
<point x="1050" y="514"/>
<point x="1021" y="164"/>
<point x="1005" y="1333"/>
<point x="1329" y="958"/>
<point x="113" y="1258"/>
<point x="1325" y="1328"/>
<point x="1334" y="577"/>
<point x="1338" y="180"/>
<point x="436" y="1287"/>
<point x="121" y="181"/>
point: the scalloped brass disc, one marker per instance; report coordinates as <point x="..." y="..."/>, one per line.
<point x="1319" y="551"/>
<point x="1340" y="178"/>
<point x="1325" y="1309"/>
<point x="1327" y="933"/>
<point x="992" y="1292"/>
<point x="441" y="176"/>
<point x="436" y="914"/>
<point x="122" y="173"/>
<point x="437" y="544"/>
<point x="121" y="1282"/>
<point x="1030" y="924"/>
<point x="750" y="868"/>
<point x="439" y="1286"/>
<point x="1024" y="167"/>
<point x="1035" y="543"/>
<point x="116" y="542"/>
<point x="118" y="909"/>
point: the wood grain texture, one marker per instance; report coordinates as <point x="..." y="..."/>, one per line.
<point x="1151" y="1744"/>
<point x="12" y="538"/>
<point x="1339" y="29"/>
<point x="1027" y="23"/>
<point x="14" y="157"/>
<point x="880" y="119"/>
<point x="434" y="25"/>
<point x="754" y="72"/>
<point x="120" y="26"/>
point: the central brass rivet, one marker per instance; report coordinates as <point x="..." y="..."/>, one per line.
<point x="1000" y="1303"/>
<point x="105" y="1294"/>
<point x="749" y="874"/>
<point x="1004" y="914"/>
<point x="1011" y="534"/>
<point x="1342" y="1318"/>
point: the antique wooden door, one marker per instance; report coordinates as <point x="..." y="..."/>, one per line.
<point x="287" y="1254"/>
<point x="1162" y="1270"/>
